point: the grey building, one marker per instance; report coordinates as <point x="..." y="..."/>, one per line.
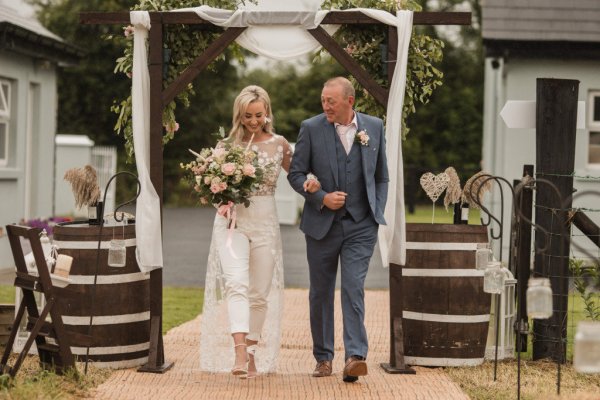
<point x="29" y="58"/>
<point x="525" y="40"/>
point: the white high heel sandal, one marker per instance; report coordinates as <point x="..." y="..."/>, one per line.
<point x="240" y="370"/>
<point x="251" y="352"/>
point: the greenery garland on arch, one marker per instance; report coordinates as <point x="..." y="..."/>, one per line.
<point x="184" y="44"/>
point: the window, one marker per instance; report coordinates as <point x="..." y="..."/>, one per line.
<point x="4" y="120"/>
<point x="593" y="124"/>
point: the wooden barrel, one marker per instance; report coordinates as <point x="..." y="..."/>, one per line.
<point x="121" y="324"/>
<point x="439" y="296"/>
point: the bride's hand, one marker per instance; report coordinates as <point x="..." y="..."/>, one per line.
<point x="311" y="184"/>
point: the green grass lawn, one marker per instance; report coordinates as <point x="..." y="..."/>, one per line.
<point x="180" y="305"/>
<point x="7" y="294"/>
<point x="424" y="213"/>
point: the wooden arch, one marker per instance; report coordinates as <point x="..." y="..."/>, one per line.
<point x="160" y="97"/>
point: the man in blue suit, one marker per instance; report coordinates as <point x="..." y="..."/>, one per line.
<point x="346" y="151"/>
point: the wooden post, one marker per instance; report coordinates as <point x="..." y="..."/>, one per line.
<point x="587" y="227"/>
<point x="396" y="364"/>
<point x="556" y="120"/>
<point x="156" y="357"/>
<point x="523" y="257"/>
<point x="392" y="52"/>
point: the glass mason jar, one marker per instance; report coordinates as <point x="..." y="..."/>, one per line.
<point x="483" y="255"/>
<point x="539" y="298"/>
<point x="493" y="278"/>
<point x="586" y="352"/>
<point x="116" y="253"/>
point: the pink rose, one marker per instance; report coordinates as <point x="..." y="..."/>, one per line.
<point x="203" y="200"/>
<point x="228" y="168"/>
<point x="207" y="180"/>
<point x="172" y="127"/>
<point x="215" y="188"/>
<point x="223" y="186"/>
<point x="248" y="170"/>
<point x="128" y="30"/>
<point x="219" y="152"/>
<point x="199" y="169"/>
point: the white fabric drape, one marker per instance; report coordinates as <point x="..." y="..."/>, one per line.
<point x="268" y="37"/>
<point x="392" y="237"/>
<point x="147" y="214"/>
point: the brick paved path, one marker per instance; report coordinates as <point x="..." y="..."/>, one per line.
<point x="293" y="381"/>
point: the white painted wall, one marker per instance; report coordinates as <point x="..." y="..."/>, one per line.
<point x="505" y="151"/>
<point x="26" y="182"/>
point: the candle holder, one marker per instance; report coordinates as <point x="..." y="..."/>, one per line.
<point x="117" y="253"/>
<point x="539" y="298"/>
<point x="586" y="352"/>
<point x="483" y="256"/>
<point x="493" y="278"/>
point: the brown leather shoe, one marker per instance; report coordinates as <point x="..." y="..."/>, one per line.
<point x="323" y="368"/>
<point x="354" y="368"/>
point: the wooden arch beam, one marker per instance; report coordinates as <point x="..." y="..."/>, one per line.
<point x="201" y="62"/>
<point x="380" y="94"/>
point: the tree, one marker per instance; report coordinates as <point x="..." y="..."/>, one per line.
<point x="86" y="91"/>
<point x="448" y="130"/>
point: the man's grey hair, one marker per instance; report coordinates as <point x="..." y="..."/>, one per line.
<point x="346" y="85"/>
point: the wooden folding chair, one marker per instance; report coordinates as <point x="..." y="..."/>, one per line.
<point x="57" y="357"/>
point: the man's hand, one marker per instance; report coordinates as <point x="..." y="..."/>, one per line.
<point x="311" y="185"/>
<point x="334" y="200"/>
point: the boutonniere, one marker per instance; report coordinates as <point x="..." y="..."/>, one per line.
<point x="362" y="138"/>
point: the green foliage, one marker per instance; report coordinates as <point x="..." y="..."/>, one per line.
<point x="365" y="45"/>
<point x="182" y="45"/>
<point x="586" y="279"/>
<point x="32" y="382"/>
<point x="448" y="130"/>
<point x="185" y="44"/>
<point x="86" y="90"/>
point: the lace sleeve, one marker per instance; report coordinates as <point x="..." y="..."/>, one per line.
<point x="287" y="155"/>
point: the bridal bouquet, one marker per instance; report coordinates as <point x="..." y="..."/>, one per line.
<point x="225" y="175"/>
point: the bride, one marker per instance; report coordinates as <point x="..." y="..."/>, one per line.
<point x="243" y="297"/>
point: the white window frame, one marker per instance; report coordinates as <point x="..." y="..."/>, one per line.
<point x="592" y="125"/>
<point x="5" y="101"/>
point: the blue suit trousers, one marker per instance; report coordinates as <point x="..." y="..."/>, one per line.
<point x="349" y="244"/>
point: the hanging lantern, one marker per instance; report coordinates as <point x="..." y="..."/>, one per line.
<point x="586" y="352"/>
<point x="539" y="298"/>
<point x="493" y="278"/>
<point x="483" y="255"/>
<point x="116" y="253"/>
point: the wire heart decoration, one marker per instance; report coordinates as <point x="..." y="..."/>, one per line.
<point x="434" y="185"/>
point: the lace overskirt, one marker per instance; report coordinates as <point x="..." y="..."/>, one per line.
<point x="259" y="222"/>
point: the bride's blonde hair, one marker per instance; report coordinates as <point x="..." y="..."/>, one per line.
<point x="248" y="95"/>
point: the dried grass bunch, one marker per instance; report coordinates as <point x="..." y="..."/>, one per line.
<point x="84" y="183"/>
<point x="453" y="191"/>
<point x="477" y="185"/>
